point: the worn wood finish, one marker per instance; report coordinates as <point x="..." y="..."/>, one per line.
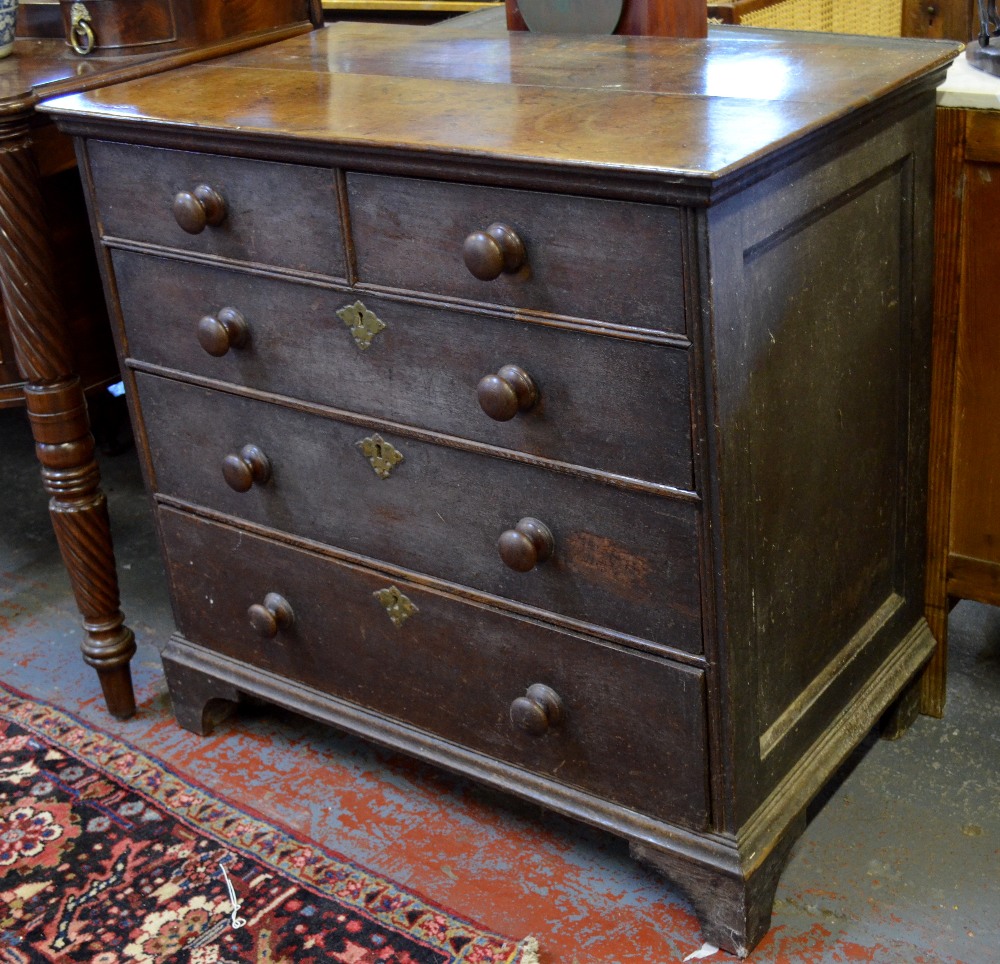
<point x="734" y="908"/>
<point x="54" y="313"/>
<point x="277" y="214"/>
<point x="780" y="234"/>
<point x="577" y="251"/>
<point x="424" y="367"/>
<point x="451" y="669"/>
<point x="624" y="561"/>
<point x="575" y="105"/>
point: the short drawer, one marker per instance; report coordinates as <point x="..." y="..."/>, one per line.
<point x="606" y="403"/>
<point x="282" y="215"/>
<point x="623" y="560"/>
<point x="631" y="729"/>
<point x="610" y="261"/>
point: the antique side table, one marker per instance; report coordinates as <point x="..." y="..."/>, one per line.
<point x="555" y="411"/>
<point x="35" y="305"/>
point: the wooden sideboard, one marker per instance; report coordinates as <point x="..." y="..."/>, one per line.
<point x="963" y="559"/>
<point x="51" y="327"/>
<point x="554" y="411"/>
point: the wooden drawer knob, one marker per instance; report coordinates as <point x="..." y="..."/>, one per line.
<point x="250" y="467"/>
<point x="274" y="614"/>
<point x="493" y="252"/>
<point x="537" y="710"/>
<point x="197" y="209"/>
<point x="509" y="391"/>
<point x="526" y="545"/>
<point x="219" y="332"/>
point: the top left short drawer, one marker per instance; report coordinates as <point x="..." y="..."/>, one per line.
<point x="255" y="212"/>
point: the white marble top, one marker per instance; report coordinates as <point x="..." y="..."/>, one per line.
<point x="967" y="87"/>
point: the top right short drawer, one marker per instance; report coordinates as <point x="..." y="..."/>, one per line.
<point x="615" y="262"/>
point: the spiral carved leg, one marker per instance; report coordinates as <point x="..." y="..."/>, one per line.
<point x="58" y="415"/>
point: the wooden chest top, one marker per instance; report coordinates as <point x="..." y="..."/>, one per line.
<point x="709" y="112"/>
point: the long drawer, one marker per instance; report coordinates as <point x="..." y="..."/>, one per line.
<point x="449" y="667"/>
<point x="623" y="560"/>
<point x="610" y="261"/>
<point x="606" y="403"/>
<point x="283" y="215"/>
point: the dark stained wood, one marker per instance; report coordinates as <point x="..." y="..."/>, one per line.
<point x="733" y="904"/>
<point x="948" y="195"/>
<point x="963" y="559"/>
<point x="527" y="545"/>
<point x="493" y="252"/>
<point x="575" y="104"/>
<point x="509" y="391"/>
<point x="575" y="250"/>
<point x="941" y="19"/>
<point x="424" y="368"/>
<point x="271" y="616"/>
<point x="142" y="27"/>
<point x="450" y="668"/>
<point x="79" y="280"/>
<point x="52" y="312"/>
<point x="625" y="561"/>
<point x="271" y="214"/>
<point x="58" y="415"/>
<point x="748" y="255"/>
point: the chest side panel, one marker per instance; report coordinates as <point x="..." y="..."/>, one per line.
<point x="821" y="322"/>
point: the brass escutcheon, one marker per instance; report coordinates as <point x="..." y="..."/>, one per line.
<point x="364" y="324"/>
<point x="381" y="454"/>
<point x="396" y="605"/>
<point x="81" y="34"/>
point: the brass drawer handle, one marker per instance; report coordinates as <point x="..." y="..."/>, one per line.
<point x="197" y="209"/>
<point x="224" y="330"/>
<point x="81" y="33"/>
<point x="251" y="467"/>
<point x="529" y="543"/>
<point x="509" y="391"/>
<point x="273" y="615"/>
<point x="536" y="711"/>
<point x="493" y="252"/>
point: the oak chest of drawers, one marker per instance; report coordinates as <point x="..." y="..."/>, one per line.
<point x="553" y="411"/>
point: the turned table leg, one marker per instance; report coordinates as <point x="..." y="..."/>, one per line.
<point x="58" y="415"/>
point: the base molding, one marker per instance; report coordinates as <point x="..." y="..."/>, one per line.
<point x="729" y="879"/>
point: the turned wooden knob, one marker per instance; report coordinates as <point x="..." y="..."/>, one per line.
<point x="493" y="252"/>
<point x="537" y="710"/>
<point x="526" y="545"/>
<point x="272" y="615"/>
<point x="242" y="471"/>
<point x="219" y="332"/>
<point x="195" y="210"/>
<point x="509" y="391"/>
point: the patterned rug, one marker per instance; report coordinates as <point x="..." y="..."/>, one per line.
<point x="109" y="856"/>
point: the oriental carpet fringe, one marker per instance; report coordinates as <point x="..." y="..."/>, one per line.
<point x="109" y="856"/>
